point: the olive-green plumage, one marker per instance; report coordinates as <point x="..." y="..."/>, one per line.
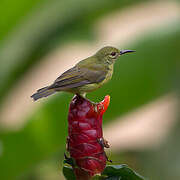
<point x="86" y="76"/>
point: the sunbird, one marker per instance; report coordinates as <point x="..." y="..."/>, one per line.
<point x="86" y="76"/>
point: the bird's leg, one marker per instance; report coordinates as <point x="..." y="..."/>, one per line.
<point x="83" y="95"/>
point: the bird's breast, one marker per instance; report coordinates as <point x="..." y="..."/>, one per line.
<point x="108" y="77"/>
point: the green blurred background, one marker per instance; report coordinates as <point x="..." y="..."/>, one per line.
<point x="39" y="39"/>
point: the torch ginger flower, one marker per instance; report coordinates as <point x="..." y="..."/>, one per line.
<point x="85" y="142"/>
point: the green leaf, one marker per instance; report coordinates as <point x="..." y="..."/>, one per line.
<point x="114" y="172"/>
<point x="68" y="173"/>
<point x="113" y="178"/>
<point x="98" y="177"/>
<point x="121" y="172"/>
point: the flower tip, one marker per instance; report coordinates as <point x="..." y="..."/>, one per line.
<point x="107" y="100"/>
<point x="105" y="104"/>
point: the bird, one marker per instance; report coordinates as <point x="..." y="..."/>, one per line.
<point x="87" y="75"/>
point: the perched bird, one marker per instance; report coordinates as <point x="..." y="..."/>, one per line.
<point x="86" y="76"/>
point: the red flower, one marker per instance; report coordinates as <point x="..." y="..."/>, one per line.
<point x="85" y="142"/>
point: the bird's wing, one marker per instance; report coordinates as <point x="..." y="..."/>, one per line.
<point x="76" y="77"/>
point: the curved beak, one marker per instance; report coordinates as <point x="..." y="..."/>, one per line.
<point x="126" y="51"/>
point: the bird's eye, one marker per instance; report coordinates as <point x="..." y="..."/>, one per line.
<point x="113" y="53"/>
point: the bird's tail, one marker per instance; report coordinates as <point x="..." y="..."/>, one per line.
<point x="43" y="92"/>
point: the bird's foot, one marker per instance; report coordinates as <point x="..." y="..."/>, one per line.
<point x="96" y="106"/>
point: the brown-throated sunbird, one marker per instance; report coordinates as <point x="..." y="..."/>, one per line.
<point x="86" y="76"/>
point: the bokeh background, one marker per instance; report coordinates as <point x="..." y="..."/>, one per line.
<point x="39" y="39"/>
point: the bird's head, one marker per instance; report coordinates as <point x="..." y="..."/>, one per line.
<point x="110" y="54"/>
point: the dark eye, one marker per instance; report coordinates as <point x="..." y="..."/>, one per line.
<point x="113" y="53"/>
